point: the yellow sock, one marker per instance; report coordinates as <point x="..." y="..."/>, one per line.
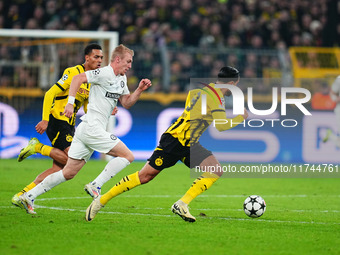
<point x="125" y="184"/>
<point x="27" y="188"/>
<point x="200" y="185"/>
<point x="43" y="149"/>
<point x="38" y="147"/>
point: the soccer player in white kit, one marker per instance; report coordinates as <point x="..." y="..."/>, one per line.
<point x="335" y="95"/>
<point x="108" y="84"/>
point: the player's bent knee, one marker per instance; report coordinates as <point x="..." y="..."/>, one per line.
<point x="145" y="178"/>
<point x="68" y="176"/>
<point x="59" y="156"/>
<point x="130" y="157"/>
<point x="64" y="159"/>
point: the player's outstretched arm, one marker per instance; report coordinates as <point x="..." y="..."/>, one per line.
<point x="74" y="87"/>
<point x="129" y="100"/>
<point x="222" y="123"/>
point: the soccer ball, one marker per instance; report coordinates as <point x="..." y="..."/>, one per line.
<point x="254" y="206"/>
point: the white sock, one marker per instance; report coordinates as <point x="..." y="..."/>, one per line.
<point x="48" y="183"/>
<point x="113" y="167"/>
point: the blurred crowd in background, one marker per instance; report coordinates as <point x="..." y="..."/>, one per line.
<point x="200" y="36"/>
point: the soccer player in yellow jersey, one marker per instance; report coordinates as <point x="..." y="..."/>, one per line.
<point x="181" y="142"/>
<point x="59" y="128"/>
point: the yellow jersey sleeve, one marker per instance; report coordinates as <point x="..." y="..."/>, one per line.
<point x="56" y="97"/>
<point x="202" y="107"/>
<point x="59" y="87"/>
<point x="218" y="114"/>
<point x="223" y="123"/>
<point x="49" y="100"/>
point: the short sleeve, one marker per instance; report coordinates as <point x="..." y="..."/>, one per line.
<point x="94" y="76"/>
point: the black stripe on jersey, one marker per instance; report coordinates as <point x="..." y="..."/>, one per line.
<point x="78" y="69"/>
<point x="178" y="124"/>
<point x="218" y="110"/>
<point x="185" y="133"/>
<point x="61" y="98"/>
<point x="83" y="67"/>
<point x="59" y="86"/>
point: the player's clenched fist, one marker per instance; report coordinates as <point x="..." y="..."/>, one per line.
<point x="41" y="126"/>
<point x="144" y="84"/>
<point x="68" y="110"/>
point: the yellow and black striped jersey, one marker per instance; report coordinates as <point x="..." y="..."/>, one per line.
<point x="56" y="97"/>
<point x="196" y="117"/>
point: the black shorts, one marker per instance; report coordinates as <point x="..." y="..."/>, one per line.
<point x="60" y="133"/>
<point x="170" y="150"/>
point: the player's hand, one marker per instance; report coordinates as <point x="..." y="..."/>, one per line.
<point x="245" y="115"/>
<point x="144" y="84"/>
<point x="41" y="126"/>
<point x="115" y="110"/>
<point x="69" y="109"/>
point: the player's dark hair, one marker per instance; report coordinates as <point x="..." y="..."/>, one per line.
<point x="228" y="73"/>
<point x="90" y="47"/>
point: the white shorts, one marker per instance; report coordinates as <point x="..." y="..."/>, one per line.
<point x="91" y="138"/>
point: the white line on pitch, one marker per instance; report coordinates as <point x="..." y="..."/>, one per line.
<point x="207" y="209"/>
<point x="219" y="196"/>
<point x="220" y="218"/>
<point x="238" y="210"/>
<point x="165" y="215"/>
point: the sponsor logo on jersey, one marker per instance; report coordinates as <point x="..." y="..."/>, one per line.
<point x="83" y="91"/>
<point x="113" y="137"/>
<point x="122" y="84"/>
<point x="112" y="95"/>
<point x="159" y="161"/>
<point x="69" y="138"/>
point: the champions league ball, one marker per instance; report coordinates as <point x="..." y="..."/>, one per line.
<point x="254" y="206"/>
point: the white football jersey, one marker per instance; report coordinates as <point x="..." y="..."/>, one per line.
<point x="336" y="88"/>
<point x="106" y="88"/>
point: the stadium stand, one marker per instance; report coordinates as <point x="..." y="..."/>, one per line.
<point x="247" y="33"/>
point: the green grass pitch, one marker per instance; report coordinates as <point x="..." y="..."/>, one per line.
<point x="302" y="217"/>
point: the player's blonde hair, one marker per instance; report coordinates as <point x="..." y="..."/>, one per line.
<point x="120" y="50"/>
